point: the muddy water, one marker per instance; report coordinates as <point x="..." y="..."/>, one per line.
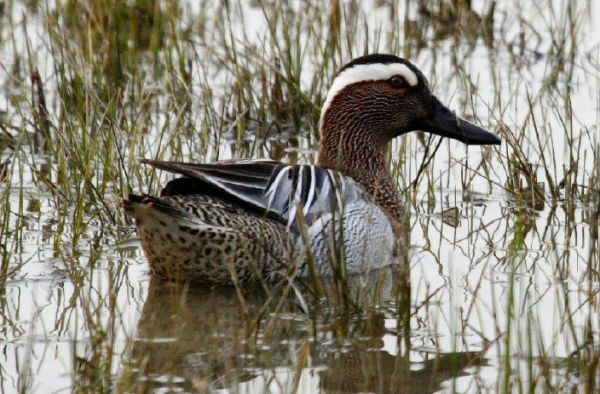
<point x="503" y="289"/>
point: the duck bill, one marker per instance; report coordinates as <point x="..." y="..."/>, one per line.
<point x="444" y="122"/>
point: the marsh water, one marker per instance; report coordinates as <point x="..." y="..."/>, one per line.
<point x="504" y="265"/>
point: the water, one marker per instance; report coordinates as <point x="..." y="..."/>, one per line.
<point x="504" y="290"/>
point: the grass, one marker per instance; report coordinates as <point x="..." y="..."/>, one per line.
<point x="91" y="88"/>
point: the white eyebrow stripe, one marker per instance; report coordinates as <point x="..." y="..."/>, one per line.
<point x="367" y="72"/>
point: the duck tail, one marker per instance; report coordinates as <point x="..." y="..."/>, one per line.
<point x="135" y="203"/>
<point x="128" y="204"/>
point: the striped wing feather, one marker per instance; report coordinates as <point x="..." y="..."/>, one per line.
<point x="267" y="187"/>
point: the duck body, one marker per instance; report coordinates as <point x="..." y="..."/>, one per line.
<point x="236" y="222"/>
<point x="258" y="220"/>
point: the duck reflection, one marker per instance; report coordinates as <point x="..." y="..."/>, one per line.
<point x="368" y="366"/>
<point x="199" y="339"/>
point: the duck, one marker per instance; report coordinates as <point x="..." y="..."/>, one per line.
<point x="243" y="221"/>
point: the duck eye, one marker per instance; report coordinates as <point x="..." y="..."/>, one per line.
<point x="398" y="81"/>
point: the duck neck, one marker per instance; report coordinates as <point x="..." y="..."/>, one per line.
<point x="359" y="153"/>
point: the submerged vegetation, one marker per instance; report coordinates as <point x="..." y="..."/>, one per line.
<point x="504" y="262"/>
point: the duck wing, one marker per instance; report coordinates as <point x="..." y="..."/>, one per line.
<point x="279" y="191"/>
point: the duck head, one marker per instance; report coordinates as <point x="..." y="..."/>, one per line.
<point x="376" y="98"/>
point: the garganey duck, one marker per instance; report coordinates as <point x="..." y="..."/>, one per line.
<point x="240" y="221"/>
